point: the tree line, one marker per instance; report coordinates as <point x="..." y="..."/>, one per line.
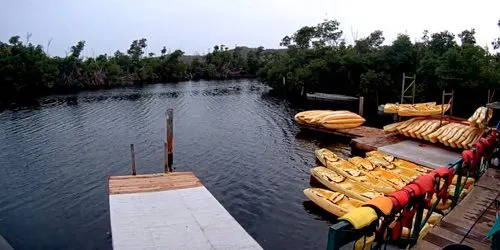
<point x="27" y="71"/>
<point x="318" y="59"/>
<point x="314" y="58"/>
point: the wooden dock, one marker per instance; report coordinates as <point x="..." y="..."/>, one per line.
<point x="361" y="131"/>
<point x="171" y="211"/>
<point x="324" y="97"/>
<point x="371" y="143"/>
<point x="469" y="222"/>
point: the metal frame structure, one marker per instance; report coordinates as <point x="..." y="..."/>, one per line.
<point x="405" y="88"/>
<point x="450" y="101"/>
<point x="491" y="95"/>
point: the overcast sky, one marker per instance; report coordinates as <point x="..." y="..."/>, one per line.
<point x="196" y="25"/>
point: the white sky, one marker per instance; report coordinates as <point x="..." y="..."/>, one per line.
<point x="196" y="25"/>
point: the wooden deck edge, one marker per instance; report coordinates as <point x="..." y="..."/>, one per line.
<point x="469" y="221"/>
<point x="152" y="183"/>
<point x="115" y="177"/>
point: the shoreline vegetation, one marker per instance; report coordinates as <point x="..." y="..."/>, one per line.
<point x="315" y="58"/>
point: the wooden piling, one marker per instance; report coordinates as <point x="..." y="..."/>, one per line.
<point x="361" y="105"/>
<point x="132" y="155"/>
<point x="169" y="156"/>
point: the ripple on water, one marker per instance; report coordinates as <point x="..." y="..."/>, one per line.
<point x="242" y="143"/>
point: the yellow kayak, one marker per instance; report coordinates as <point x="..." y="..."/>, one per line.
<point x="433" y="219"/>
<point x="339" y="183"/>
<point x="324" y="155"/>
<point x="406" y="175"/>
<point x="470" y="181"/>
<point x="379" y="172"/>
<point x="333" y="202"/>
<point x="398" y="163"/>
<point x="345" y="168"/>
<point x="423" y="231"/>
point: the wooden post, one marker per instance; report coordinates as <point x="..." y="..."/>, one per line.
<point x="169" y="155"/>
<point x="165" y="158"/>
<point x="361" y="105"/>
<point x="132" y="155"/>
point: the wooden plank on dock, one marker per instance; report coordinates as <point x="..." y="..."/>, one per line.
<point x="421" y="153"/>
<point x="150" y="183"/>
<point x="371" y="143"/>
<point x="469" y="222"/>
<point x="490" y="179"/>
<point x="171" y="211"/>
<point x="467" y="212"/>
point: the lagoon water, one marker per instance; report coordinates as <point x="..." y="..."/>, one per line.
<point x="241" y="142"/>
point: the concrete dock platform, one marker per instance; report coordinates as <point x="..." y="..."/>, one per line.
<point x="4" y="245"/>
<point x="421" y="153"/>
<point x="171" y="211"/>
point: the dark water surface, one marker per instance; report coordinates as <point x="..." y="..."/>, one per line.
<point x="242" y="144"/>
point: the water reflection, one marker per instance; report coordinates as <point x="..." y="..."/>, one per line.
<point x="243" y="144"/>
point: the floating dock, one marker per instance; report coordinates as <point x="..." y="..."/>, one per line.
<point x="171" y="211"/>
<point x="324" y="97"/>
<point x="4" y="245"/>
<point x="469" y="222"/>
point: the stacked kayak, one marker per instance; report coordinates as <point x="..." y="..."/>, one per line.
<point x="347" y="169"/>
<point x="328" y="119"/>
<point x="418" y="109"/>
<point x="481" y="117"/>
<point x="453" y="134"/>
<point x="342" y="184"/>
<point x="362" y="179"/>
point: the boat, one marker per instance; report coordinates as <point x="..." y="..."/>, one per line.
<point x="433" y="219"/>
<point x="345" y="168"/>
<point x="399" y="163"/>
<point x="470" y="181"/>
<point x="339" y="183"/>
<point x="324" y="155"/>
<point x="406" y="175"/>
<point x="441" y="205"/>
<point x="423" y="231"/>
<point x="379" y="172"/>
<point x="333" y="202"/>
